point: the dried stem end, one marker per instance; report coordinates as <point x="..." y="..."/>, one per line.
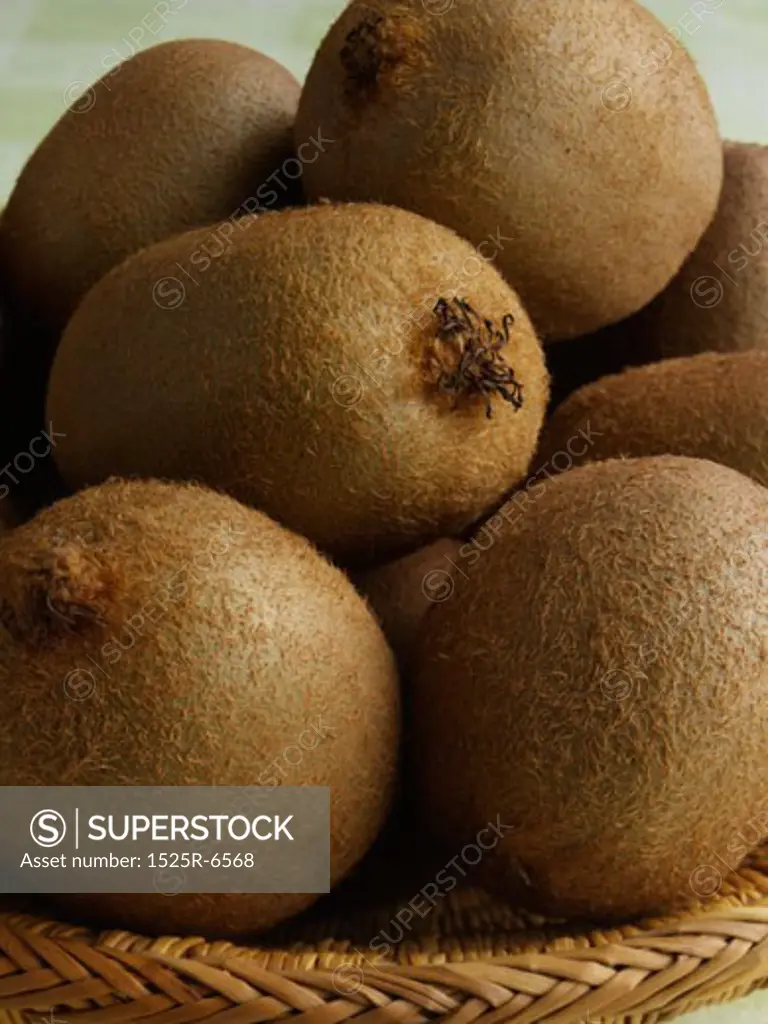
<point x="52" y="593"/>
<point x="377" y="53"/>
<point x="467" y="357"/>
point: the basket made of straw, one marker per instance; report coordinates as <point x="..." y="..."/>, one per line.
<point x="471" y="959"/>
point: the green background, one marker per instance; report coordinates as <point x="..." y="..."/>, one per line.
<point x="50" y="50"/>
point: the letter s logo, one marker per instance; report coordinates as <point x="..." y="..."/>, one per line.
<point x="48" y="828"/>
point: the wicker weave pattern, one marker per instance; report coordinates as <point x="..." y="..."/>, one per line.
<point x="61" y="975"/>
<point x="471" y="959"/>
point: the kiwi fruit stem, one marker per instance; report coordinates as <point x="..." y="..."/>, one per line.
<point x="467" y="357"/>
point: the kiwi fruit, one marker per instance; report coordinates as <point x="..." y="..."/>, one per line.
<point x="711" y="406"/>
<point x="719" y="300"/>
<point x="402" y="592"/>
<point x="181" y="135"/>
<point x="572" y="144"/>
<point x="354" y="370"/>
<point x="211" y="640"/>
<point x="597" y="686"/>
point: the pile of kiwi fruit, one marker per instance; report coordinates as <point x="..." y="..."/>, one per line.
<point x="446" y="372"/>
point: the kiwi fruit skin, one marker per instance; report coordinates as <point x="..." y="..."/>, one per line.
<point x="309" y="373"/>
<point x="252" y="638"/>
<point x="499" y="120"/>
<point x="402" y="592"/>
<point x="711" y="406"/>
<point x="179" y="136"/>
<point x="719" y="300"/>
<point x="598" y="683"/>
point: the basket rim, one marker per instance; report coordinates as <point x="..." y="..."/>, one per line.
<point x="596" y="943"/>
<point x="646" y="973"/>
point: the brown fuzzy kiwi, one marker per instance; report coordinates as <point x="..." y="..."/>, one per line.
<point x="719" y="300"/>
<point x="548" y="133"/>
<point x="710" y="406"/>
<point x="179" y="136"/>
<point x="598" y="689"/>
<point x="355" y="370"/>
<point x="402" y="592"/>
<point x="211" y="639"/>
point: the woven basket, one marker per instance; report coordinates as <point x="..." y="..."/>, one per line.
<point x="470" y="959"/>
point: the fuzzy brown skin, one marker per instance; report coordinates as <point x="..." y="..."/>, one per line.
<point x="600" y="682"/>
<point x="719" y="300"/>
<point x="501" y="115"/>
<point x="256" y="640"/>
<point x="402" y="592"/>
<point x="307" y="373"/>
<point x="710" y="406"/>
<point x="179" y="136"/>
